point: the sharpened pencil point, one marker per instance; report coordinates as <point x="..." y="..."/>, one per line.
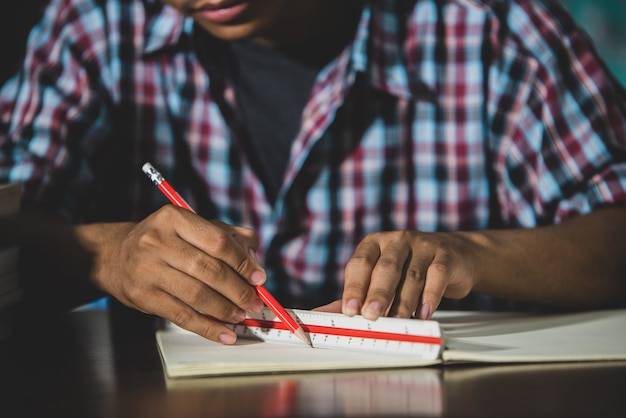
<point x="302" y="335"/>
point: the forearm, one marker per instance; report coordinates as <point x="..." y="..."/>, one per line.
<point x="580" y="263"/>
<point x="56" y="260"/>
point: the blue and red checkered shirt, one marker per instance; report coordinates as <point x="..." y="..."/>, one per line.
<point x="439" y="116"/>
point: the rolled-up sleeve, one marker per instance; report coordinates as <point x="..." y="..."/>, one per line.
<point x="55" y="109"/>
<point x="558" y="122"/>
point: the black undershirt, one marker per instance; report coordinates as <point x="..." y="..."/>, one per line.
<point x="272" y="87"/>
<point x="272" y="90"/>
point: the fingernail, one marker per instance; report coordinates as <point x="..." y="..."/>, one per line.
<point x="424" y="311"/>
<point x="227" y="338"/>
<point x="257" y="277"/>
<point x="373" y="310"/>
<point x="351" y="308"/>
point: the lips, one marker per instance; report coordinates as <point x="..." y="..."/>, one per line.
<point x="221" y="11"/>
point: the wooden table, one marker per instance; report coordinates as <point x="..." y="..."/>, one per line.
<point x="89" y="364"/>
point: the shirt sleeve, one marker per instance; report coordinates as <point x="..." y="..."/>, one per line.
<point x="557" y="118"/>
<point x="52" y="112"/>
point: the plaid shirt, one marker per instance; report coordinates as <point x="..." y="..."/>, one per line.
<point x="439" y="116"/>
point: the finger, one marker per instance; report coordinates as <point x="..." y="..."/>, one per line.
<point x="185" y="317"/>
<point x="196" y="278"/>
<point x="246" y="236"/>
<point x="221" y="243"/>
<point x="410" y="288"/>
<point x="386" y="276"/>
<point x="205" y="299"/>
<point x="437" y="278"/>
<point x="357" y="275"/>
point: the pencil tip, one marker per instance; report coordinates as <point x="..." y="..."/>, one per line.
<point x="302" y="335"/>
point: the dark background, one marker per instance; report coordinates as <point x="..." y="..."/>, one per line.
<point x="16" y="19"/>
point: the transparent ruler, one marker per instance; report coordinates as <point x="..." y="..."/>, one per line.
<point x="412" y="337"/>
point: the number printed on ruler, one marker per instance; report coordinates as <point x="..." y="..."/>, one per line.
<point x="336" y="331"/>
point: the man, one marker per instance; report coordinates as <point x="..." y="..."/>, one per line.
<point x="385" y="153"/>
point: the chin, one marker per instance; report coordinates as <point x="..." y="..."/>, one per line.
<point x="232" y="32"/>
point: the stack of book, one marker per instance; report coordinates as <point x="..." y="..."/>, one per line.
<point x="10" y="292"/>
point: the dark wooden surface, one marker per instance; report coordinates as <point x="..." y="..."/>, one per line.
<point x="90" y="364"/>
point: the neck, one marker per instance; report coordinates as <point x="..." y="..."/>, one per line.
<point x="323" y="32"/>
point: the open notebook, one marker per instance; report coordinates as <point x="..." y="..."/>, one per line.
<point x="485" y="337"/>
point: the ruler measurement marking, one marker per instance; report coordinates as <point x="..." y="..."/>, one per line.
<point x="344" y="332"/>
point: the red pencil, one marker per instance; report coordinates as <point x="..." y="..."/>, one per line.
<point x="263" y="293"/>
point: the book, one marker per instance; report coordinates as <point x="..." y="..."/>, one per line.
<point x="467" y="337"/>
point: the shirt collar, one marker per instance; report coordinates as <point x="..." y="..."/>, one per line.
<point x="379" y="50"/>
<point x="359" y="46"/>
<point x="164" y="26"/>
<point x="376" y="51"/>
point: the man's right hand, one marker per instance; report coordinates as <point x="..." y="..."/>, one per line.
<point x="179" y="266"/>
